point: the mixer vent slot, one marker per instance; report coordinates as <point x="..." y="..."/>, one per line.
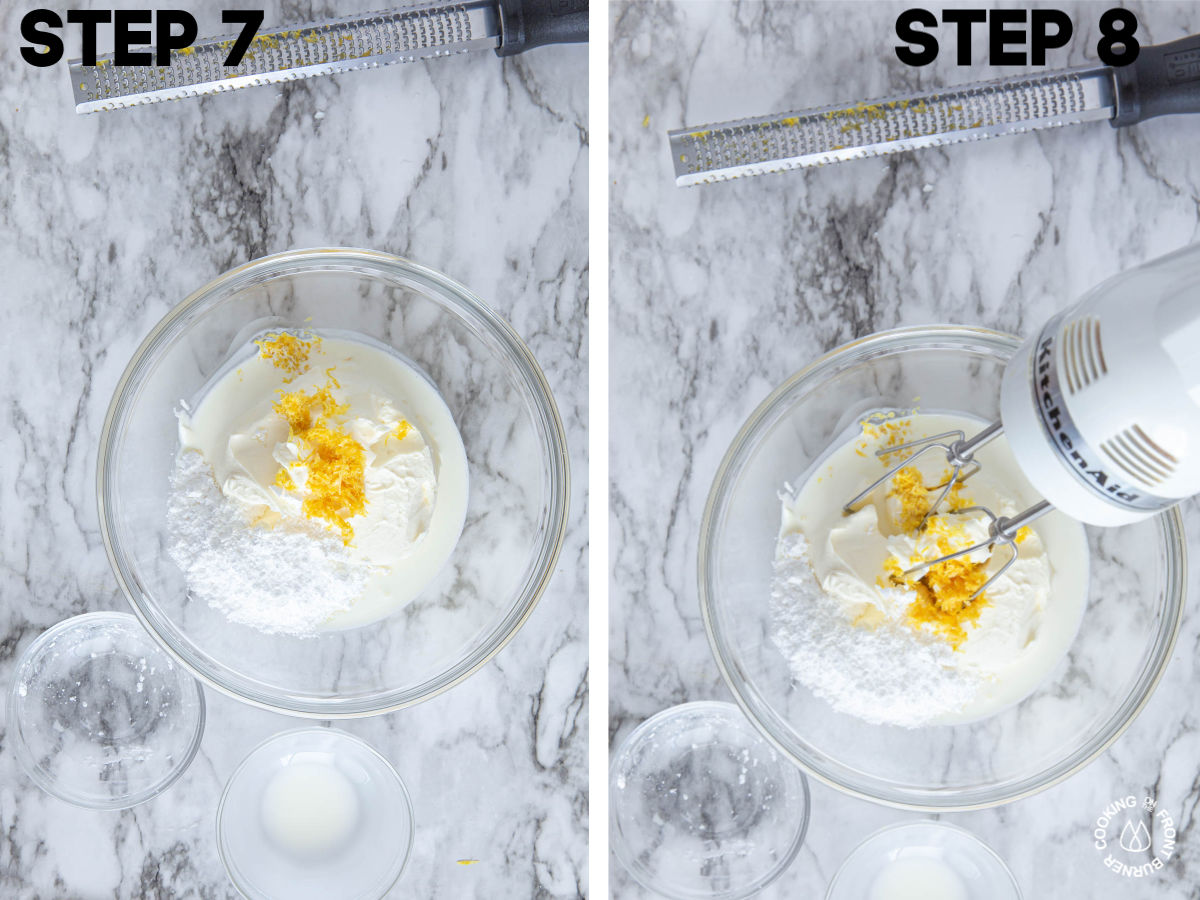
<point x="1083" y="353"/>
<point x="1136" y="454"/>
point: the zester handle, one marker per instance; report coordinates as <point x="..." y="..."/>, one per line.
<point x="525" y="24"/>
<point x="1163" y="81"/>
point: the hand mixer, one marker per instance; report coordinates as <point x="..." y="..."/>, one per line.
<point x="1101" y="409"/>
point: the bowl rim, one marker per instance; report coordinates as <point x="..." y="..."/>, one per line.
<point x="719" y="708"/>
<point x="386" y="765"/>
<point x="21" y="749"/>
<point x="544" y="411"/>
<point x="930" y="799"/>
<point x="924" y="823"/>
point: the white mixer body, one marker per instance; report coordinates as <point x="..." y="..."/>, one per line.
<point x="1102" y="408"/>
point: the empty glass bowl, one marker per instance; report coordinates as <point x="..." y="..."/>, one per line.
<point x="1134" y="608"/>
<point x="314" y="814"/>
<point x="702" y="807"/>
<point x="100" y="716"/>
<point x="931" y="860"/>
<point x="518" y="475"/>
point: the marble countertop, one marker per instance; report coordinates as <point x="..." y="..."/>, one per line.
<point x="474" y="166"/>
<point x="718" y="293"/>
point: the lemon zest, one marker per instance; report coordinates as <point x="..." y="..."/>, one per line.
<point x="945" y="592"/>
<point x="909" y="488"/>
<point x="336" y="462"/>
<point x="288" y="352"/>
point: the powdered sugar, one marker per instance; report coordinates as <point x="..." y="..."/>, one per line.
<point x="287" y="579"/>
<point x="885" y="674"/>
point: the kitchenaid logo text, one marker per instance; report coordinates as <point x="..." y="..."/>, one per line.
<point x="173" y="29"/>
<point x="1121" y="834"/>
<point x="1049" y="402"/>
<point x="1016" y="37"/>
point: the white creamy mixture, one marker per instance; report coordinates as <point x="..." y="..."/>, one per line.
<point x="918" y="878"/>
<point x="330" y="441"/>
<point x="310" y="809"/>
<point x="876" y="645"/>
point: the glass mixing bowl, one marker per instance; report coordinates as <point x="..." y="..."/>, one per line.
<point x="344" y="816"/>
<point x="518" y="471"/>
<point x="1134" y="607"/>
<point x="99" y="716"/>
<point x="702" y="807"/>
<point x="945" y="860"/>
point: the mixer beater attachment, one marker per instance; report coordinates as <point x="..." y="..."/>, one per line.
<point x="960" y="456"/>
<point x="1001" y="530"/>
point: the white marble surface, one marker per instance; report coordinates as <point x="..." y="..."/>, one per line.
<point x="719" y="293"/>
<point x="474" y="166"/>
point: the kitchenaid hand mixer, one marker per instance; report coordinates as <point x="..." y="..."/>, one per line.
<point x="1101" y="409"/>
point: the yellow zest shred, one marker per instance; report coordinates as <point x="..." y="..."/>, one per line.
<point x="336" y="462"/>
<point x="936" y="609"/>
<point x="297" y="407"/>
<point x="909" y="488"/>
<point x="288" y="352"/>
<point x="882" y="431"/>
<point x="944" y="591"/>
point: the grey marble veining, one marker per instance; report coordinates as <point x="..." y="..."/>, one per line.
<point x="719" y="293"/>
<point x="474" y="166"/>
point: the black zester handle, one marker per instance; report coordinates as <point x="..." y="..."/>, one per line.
<point x="1163" y="81"/>
<point x="525" y="24"/>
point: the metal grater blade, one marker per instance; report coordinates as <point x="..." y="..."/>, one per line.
<point x="419" y="31"/>
<point x="816" y="137"/>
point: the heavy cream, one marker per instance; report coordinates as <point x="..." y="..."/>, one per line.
<point x="336" y="432"/>
<point x="1004" y="643"/>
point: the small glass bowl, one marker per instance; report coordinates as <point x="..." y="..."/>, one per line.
<point x="1136" y="583"/>
<point x="702" y="807"/>
<point x="975" y="869"/>
<point x="516" y="455"/>
<point x="374" y="803"/>
<point x="100" y="716"/>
